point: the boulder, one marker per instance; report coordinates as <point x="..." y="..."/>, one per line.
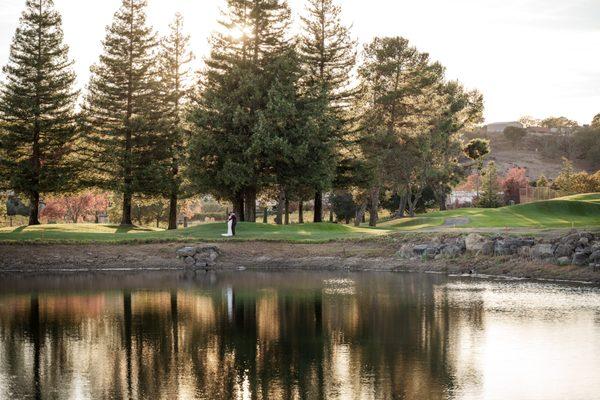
<point x="190" y="261"/>
<point x="563" y="261"/>
<point x="487" y="248"/>
<point x="524" y="251"/>
<point x="595" y="257"/>
<point x="406" y="251"/>
<point x="564" y="250"/>
<point x="187" y="251"/>
<point x="580" y="258"/>
<point x="432" y="250"/>
<point x="420" y="249"/>
<point x="452" y="250"/>
<point x="542" y="250"/>
<point x="474" y="242"/>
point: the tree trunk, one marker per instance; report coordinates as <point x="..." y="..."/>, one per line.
<point x="412" y="203"/>
<point x="238" y="206"/>
<point x="265" y="216"/>
<point x="300" y="212"/>
<point x="126" y="215"/>
<point x="250" y="205"/>
<point x="401" y="207"/>
<point x="330" y="215"/>
<point x="318" y="217"/>
<point x="34" y="209"/>
<point x="374" y="206"/>
<point x="360" y="214"/>
<point x="280" y="201"/>
<point x="173" y="211"/>
<point x="287" y="211"/>
<point x="442" y="201"/>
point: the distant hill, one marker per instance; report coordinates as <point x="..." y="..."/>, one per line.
<point x="540" y="154"/>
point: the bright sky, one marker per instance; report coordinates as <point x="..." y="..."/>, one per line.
<point x="528" y="57"/>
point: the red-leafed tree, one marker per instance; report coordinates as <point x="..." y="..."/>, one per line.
<point x="85" y="206"/>
<point x="514" y="180"/>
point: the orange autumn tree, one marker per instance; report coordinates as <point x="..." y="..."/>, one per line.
<point x="515" y="179"/>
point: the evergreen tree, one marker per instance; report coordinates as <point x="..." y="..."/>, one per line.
<point x="398" y="103"/>
<point x="37" y="102"/>
<point x="329" y="55"/>
<point x="491" y="188"/>
<point x="175" y="59"/>
<point x="234" y="88"/>
<point x="122" y="113"/>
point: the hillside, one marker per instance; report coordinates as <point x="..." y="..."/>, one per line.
<point x="533" y="154"/>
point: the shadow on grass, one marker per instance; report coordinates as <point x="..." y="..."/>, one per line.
<point x="19" y="229"/>
<point x="131" y="228"/>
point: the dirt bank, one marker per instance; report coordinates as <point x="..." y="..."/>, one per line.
<point x="371" y="255"/>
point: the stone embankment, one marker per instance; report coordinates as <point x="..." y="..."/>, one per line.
<point x="202" y="256"/>
<point x="575" y="248"/>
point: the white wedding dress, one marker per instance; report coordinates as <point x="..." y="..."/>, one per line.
<point x="229" y="229"/>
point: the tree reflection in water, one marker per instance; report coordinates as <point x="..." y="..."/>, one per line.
<point x="250" y="335"/>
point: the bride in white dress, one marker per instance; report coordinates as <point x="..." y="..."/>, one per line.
<point x="229" y="227"/>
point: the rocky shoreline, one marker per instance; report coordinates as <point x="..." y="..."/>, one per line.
<point x="575" y="248"/>
<point x="524" y="257"/>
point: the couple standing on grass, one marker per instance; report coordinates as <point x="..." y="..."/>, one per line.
<point x="231" y="223"/>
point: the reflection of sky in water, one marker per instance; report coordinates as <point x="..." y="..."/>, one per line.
<point x="298" y="335"/>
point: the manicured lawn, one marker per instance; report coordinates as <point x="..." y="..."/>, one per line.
<point x="245" y="231"/>
<point x="577" y="211"/>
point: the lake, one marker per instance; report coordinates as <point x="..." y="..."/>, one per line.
<point x="312" y="335"/>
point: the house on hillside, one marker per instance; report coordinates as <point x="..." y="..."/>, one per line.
<point x="499" y="127"/>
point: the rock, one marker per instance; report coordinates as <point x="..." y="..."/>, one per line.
<point x="406" y="251"/>
<point x="542" y="250"/>
<point x="563" y="261"/>
<point x="564" y="250"/>
<point x="580" y="258"/>
<point x="487" y="248"/>
<point x="420" y="249"/>
<point x="190" y="261"/>
<point x="524" y="251"/>
<point x="432" y="250"/>
<point x="504" y="248"/>
<point x="186" y="252"/>
<point x="595" y="257"/>
<point x="584" y="241"/>
<point x="451" y="250"/>
<point x="474" y="242"/>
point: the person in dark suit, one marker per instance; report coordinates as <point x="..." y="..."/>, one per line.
<point x="234" y="223"/>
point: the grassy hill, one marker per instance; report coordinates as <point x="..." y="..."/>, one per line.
<point x="574" y="211"/>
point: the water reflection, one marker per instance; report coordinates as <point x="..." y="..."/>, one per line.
<point x="296" y="335"/>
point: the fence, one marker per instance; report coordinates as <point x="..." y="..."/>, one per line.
<point x="530" y="194"/>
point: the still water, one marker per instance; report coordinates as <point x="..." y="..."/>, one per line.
<point x="296" y="335"/>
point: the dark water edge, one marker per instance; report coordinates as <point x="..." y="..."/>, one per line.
<point x="295" y="334"/>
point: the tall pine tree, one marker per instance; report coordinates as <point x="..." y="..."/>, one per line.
<point x="234" y="88"/>
<point x="37" y="102"/>
<point x="175" y="71"/>
<point x="127" y="145"/>
<point x="329" y="55"/>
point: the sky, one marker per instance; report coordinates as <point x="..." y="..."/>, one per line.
<point x="527" y="57"/>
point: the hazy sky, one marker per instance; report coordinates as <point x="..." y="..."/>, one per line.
<point x="536" y="57"/>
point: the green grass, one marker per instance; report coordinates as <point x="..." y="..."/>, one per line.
<point x="574" y="211"/>
<point x="81" y="233"/>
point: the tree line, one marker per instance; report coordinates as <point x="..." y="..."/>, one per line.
<point x="271" y="115"/>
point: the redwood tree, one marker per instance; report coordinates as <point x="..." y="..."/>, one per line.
<point x="127" y="147"/>
<point x="37" y="102"/>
